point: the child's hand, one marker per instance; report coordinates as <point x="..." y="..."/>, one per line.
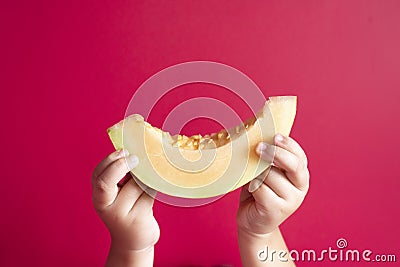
<point x="127" y="211"/>
<point x="268" y="201"/>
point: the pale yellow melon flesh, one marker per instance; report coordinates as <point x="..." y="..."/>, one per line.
<point x="217" y="166"/>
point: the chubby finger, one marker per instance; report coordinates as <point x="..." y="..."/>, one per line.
<point x="105" y="187"/>
<point x="266" y="197"/>
<point x="148" y="190"/>
<point x="275" y="179"/>
<point x="107" y="161"/>
<point x="279" y="183"/>
<point x="143" y="204"/>
<point x="245" y="193"/>
<point x="294" y="167"/>
<point x="258" y="181"/>
<point x="128" y="196"/>
<point x="290" y="145"/>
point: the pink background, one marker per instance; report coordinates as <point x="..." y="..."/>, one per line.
<point x="69" y="68"/>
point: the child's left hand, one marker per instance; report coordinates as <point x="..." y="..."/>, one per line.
<point x="127" y="212"/>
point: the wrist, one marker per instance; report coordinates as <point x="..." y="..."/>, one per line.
<point x="250" y="237"/>
<point x="263" y="249"/>
<point x="120" y="256"/>
<point x="134" y="242"/>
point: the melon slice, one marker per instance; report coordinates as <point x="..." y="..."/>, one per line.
<point x="203" y="166"/>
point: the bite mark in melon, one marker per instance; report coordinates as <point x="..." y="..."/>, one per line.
<point x="203" y="166"/>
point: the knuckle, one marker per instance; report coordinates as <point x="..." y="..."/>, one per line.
<point x="305" y="160"/>
<point x="278" y="153"/>
<point x="261" y="211"/>
<point x="304" y="182"/>
<point x="299" y="199"/>
<point x="307" y="182"/>
<point x="272" y="210"/>
<point x="266" y="175"/>
<point x="297" y="166"/>
<point x="279" y="211"/>
<point x="101" y="186"/>
<point x="301" y="164"/>
<point x="113" y="155"/>
<point x="99" y="208"/>
<point x="301" y="196"/>
<point x="278" y="156"/>
<point x="290" y="143"/>
<point x="119" y="165"/>
<point x="119" y="217"/>
<point x="94" y="176"/>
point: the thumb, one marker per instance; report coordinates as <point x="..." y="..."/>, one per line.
<point x="244" y="193"/>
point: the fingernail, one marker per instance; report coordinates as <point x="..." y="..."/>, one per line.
<point x="254" y="185"/>
<point x="261" y="147"/>
<point x="278" y="138"/>
<point x="266" y="152"/>
<point x="132" y="161"/>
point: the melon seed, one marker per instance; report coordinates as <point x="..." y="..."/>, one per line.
<point x="237" y="129"/>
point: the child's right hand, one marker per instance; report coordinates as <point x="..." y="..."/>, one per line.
<point x="273" y="196"/>
<point x="270" y="199"/>
<point x="127" y="211"/>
